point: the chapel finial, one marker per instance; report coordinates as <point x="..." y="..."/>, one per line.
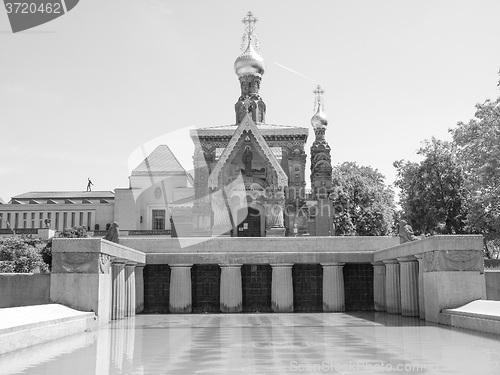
<point x="318" y="98"/>
<point x="319" y="121"/>
<point x="249" y="21"/>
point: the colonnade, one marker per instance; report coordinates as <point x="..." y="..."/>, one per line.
<point x="231" y="296"/>
<point x="398" y="286"/>
<point x="126" y="289"/>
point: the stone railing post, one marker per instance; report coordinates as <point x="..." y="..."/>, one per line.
<point x="409" y="285"/>
<point x="231" y="297"/>
<point x="421" y="300"/>
<point x="130" y="289"/>
<point x="139" y="288"/>
<point x="333" y="287"/>
<point x="118" y="293"/>
<point x="392" y="286"/>
<point x="282" y="288"/>
<point x="379" y="286"/>
<point x="180" y="288"/>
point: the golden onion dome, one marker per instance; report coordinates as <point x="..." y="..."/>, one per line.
<point x="250" y="62"/>
<point x="319" y="120"/>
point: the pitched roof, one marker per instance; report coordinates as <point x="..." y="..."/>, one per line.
<point x="247" y="125"/>
<point x="160" y="160"/>
<point x="40" y="195"/>
<point x="1" y="201"/>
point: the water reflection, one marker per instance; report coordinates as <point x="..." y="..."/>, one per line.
<point x="364" y="343"/>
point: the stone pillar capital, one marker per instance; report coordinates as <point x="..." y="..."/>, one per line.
<point x="409" y="258"/>
<point x="419" y="256"/>
<point x="390" y="261"/>
<point x="333" y="264"/>
<point x="378" y="264"/>
<point x="276" y="265"/>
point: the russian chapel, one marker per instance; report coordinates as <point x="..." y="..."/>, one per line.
<point x="250" y="177"/>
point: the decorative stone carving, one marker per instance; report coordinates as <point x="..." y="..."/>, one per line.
<point x="104" y="263"/>
<point x="453" y="260"/>
<point x="113" y="233"/>
<point x="406" y="232"/>
<point x="75" y="263"/>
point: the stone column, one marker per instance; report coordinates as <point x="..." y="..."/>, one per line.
<point x="130" y="289"/>
<point x="282" y="288"/>
<point x="421" y="303"/>
<point x="409" y="285"/>
<point x="392" y="286"/>
<point x="379" y="286"/>
<point x="333" y="287"/>
<point x="180" y="288"/>
<point x="118" y="293"/>
<point x="139" y="289"/>
<point x="231" y="298"/>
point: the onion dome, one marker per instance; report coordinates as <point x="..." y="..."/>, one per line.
<point x="249" y="63"/>
<point x="319" y="120"/>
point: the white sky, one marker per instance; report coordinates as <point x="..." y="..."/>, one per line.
<point x="79" y="94"/>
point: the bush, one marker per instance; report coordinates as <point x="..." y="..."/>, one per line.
<point x="75" y="232"/>
<point x="21" y="254"/>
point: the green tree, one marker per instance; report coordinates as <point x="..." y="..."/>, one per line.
<point x="21" y="254"/>
<point x="478" y="149"/>
<point x="432" y="194"/>
<point x="363" y="204"/>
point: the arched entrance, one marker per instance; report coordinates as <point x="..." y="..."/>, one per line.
<point x="251" y="225"/>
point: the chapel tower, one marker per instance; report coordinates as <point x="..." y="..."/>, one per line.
<point x="250" y="67"/>
<point x="321" y="169"/>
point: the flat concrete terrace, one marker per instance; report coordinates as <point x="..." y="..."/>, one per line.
<point x="21" y="327"/>
<point x="480" y="315"/>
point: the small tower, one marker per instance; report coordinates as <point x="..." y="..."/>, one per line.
<point x="321" y="169"/>
<point x="250" y="67"/>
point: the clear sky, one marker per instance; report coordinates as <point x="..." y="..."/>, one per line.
<point x="79" y="94"/>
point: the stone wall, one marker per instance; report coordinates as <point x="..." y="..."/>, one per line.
<point x="358" y="284"/>
<point x="307" y="288"/>
<point x="156" y="288"/>
<point x="24" y="289"/>
<point x="256" y="285"/>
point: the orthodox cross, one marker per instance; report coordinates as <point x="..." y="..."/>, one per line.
<point x="249" y="21"/>
<point x="318" y="97"/>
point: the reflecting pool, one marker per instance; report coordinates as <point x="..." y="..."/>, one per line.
<point x="357" y="343"/>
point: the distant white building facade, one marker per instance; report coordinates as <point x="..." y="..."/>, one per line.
<point x="143" y="206"/>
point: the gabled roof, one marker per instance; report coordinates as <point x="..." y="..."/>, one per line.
<point x="41" y="195"/>
<point x="161" y="160"/>
<point x="247" y="126"/>
<point x="1" y="201"/>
